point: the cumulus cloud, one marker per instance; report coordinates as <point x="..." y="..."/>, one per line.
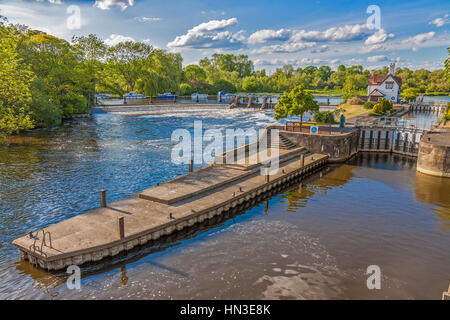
<point x="266" y="35"/>
<point x="377" y="58"/>
<point x="336" y="34"/>
<point x="440" y="22"/>
<point x="210" y="34"/>
<point x="109" y="4"/>
<point x="284" y="48"/>
<point x="419" y="39"/>
<point x="117" y="38"/>
<point x="378" y="37"/>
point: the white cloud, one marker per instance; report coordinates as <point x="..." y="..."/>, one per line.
<point x="336" y="34"/>
<point x="375" y="47"/>
<point x="117" y="38"/>
<point x="146" y="19"/>
<point x="440" y="22"/>
<point x="378" y="37"/>
<point x="377" y="58"/>
<point x="265" y="35"/>
<point x="353" y="61"/>
<point x="109" y="4"/>
<point x="284" y="48"/>
<point x="419" y="39"/>
<point x="295" y="62"/>
<point x="210" y="34"/>
<point x="320" y="49"/>
<point x="52" y="1"/>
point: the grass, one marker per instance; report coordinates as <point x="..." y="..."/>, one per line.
<point x="353" y="110"/>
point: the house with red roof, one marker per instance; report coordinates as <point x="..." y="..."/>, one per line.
<point x="385" y="86"/>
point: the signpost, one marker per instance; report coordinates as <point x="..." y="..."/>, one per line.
<point x="314" y="129"/>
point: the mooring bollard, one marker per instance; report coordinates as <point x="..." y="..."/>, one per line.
<point x="191" y="166"/>
<point x="121" y="227"/>
<point x="103" y="198"/>
<point x="302" y="160"/>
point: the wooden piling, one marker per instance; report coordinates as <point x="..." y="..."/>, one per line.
<point x="191" y="166"/>
<point x="302" y="160"/>
<point x="103" y="198"/>
<point x="121" y="227"/>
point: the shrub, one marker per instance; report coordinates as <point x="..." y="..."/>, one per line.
<point x="324" y="117"/>
<point x="369" y="104"/>
<point x="355" y="100"/>
<point x="447" y="113"/>
<point x="186" y="90"/>
<point x="383" y="107"/>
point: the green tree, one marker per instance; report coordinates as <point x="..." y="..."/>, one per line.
<point x="15" y="81"/>
<point x="354" y="83"/>
<point x="410" y="94"/>
<point x="193" y="72"/>
<point x="296" y="102"/>
<point x="126" y="60"/>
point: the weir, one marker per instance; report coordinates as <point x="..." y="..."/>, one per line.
<point x="213" y="190"/>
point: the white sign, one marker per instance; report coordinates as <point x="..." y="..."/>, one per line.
<point x="314" y="129"/>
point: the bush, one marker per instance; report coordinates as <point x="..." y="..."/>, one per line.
<point x="223" y="85"/>
<point x="355" y="100"/>
<point x="447" y="113"/>
<point x="186" y="90"/>
<point x="369" y="104"/>
<point x="383" y="107"/>
<point x="324" y="117"/>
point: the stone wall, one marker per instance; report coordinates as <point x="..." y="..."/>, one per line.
<point x="339" y="147"/>
<point x="434" y="154"/>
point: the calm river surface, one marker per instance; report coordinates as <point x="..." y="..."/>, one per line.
<point x="313" y="241"/>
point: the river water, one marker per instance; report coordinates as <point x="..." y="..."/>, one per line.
<point x="312" y="241"/>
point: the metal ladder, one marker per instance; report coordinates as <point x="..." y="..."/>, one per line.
<point x="35" y="248"/>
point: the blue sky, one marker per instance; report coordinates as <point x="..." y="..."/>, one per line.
<point x="413" y="34"/>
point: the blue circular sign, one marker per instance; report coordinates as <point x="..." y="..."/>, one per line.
<point x="314" y="129"/>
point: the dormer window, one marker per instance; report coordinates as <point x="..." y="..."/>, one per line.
<point x="389" y="84"/>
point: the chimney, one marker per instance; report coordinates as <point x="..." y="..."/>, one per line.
<point x="392" y="68"/>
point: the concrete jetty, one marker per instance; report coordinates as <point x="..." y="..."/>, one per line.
<point x="159" y="211"/>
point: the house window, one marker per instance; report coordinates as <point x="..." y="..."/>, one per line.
<point x="389" y="85"/>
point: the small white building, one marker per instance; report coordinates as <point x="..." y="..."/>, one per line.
<point x="385" y="86"/>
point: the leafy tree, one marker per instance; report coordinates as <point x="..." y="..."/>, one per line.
<point x="296" y="102"/>
<point x="15" y="95"/>
<point x="410" y="94"/>
<point x="193" y="72"/>
<point x="251" y="84"/>
<point x="354" y="83"/>
<point x="126" y="60"/>
<point x="223" y="85"/>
